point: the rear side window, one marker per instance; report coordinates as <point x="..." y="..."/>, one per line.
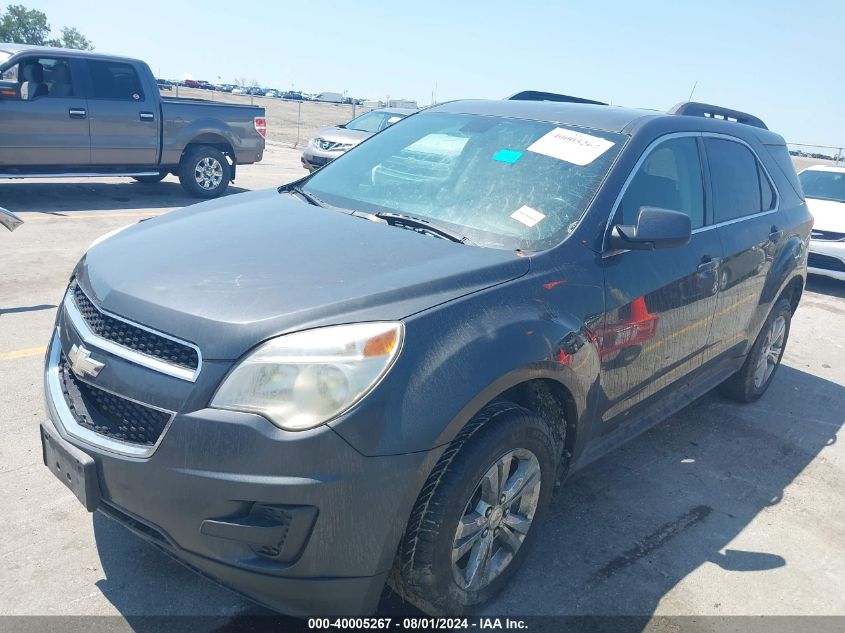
<point x="114" y="81"/>
<point x="740" y="185"/>
<point x="669" y="178"/>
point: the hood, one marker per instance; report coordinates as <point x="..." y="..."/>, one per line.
<point x="342" y="135"/>
<point x="828" y="215"/>
<point x="230" y="273"/>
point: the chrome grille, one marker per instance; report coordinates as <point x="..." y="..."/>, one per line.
<point x="135" y="338"/>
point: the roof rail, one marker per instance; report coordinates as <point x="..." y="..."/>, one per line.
<point x="537" y="95"/>
<point x="693" y="108"/>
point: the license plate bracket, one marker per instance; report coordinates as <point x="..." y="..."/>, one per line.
<point x="74" y="468"/>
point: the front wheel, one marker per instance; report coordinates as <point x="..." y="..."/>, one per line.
<point x="758" y="370"/>
<point x="204" y="172"/>
<point x="474" y="519"/>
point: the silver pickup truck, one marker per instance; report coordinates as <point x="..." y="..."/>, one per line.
<point x="75" y="113"/>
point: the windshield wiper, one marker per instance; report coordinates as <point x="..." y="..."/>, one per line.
<point x="423" y="226"/>
<point x="310" y="198"/>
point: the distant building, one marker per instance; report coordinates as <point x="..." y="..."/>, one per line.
<point x="401" y="103"/>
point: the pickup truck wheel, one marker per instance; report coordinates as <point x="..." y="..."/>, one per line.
<point x="204" y="172"/>
<point x="150" y="179"/>
<point x="473" y="521"/>
<point x="758" y="370"/>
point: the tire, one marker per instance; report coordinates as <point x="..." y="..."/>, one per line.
<point x="423" y="572"/>
<point x="150" y="179"/>
<point x="204" y="172"/>
<point x="751" y="381"/>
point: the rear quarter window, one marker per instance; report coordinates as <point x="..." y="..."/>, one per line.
<point x="780" y="156"/>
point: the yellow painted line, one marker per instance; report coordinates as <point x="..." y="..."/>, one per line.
<point x="32" y="216"/>
<point x="23" y="353"/>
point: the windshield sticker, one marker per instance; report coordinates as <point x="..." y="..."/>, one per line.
<point x="394" y="119"/>
<point x="528" y="216"/>
<point x="573" y="147"/>
<point x="507" y="156"/>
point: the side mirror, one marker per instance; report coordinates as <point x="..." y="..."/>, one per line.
<point x="9" y="219"/>
<point x="655" y="228"/>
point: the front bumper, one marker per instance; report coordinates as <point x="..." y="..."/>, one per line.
<point x="827" y="258"/>
<point x="197" y="494"/>
<point x="313" y="158"/>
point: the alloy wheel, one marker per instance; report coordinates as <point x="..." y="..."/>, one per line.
<point x="208" y="173"/>
<point x="496" y="519"/>
<point x="771" y="352"/>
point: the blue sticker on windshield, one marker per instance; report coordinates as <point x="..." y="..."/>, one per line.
<point x="507" y="156"/>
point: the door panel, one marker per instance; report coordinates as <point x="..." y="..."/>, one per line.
<point x="48" y="129"/>
<point x="124" y="121"/>
<point x="743" y="205"/>
<point x="659" y="304"/>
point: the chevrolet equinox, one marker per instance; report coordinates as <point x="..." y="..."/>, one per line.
<point x="380" y="372"/>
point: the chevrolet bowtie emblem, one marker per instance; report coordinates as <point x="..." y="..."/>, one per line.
<point x="81" y="362"/>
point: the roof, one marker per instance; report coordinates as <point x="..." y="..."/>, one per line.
<point x="607" y="118"/>
<point x="12" y="48"/>
<point x="600" y="117"/>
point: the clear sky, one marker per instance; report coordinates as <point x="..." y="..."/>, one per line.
<point x="774" y="58"/>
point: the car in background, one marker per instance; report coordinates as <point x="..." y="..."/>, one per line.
<point x="238" y="90"/>
<point x="9" y="219"/>
<point x="272" y="92"/>
<point x="292" y="96"/>
<point x="329" y="97"/>
<point x="824" y="189"/>
<point x="225" y="87"/>
<point x="105" y="115"/>
<point x="205" y="85"/>
<point x="256" y="92"/>
<point x="190" y="83"/>
<point x="164" y="84"/>
<point x="331" y="142"/>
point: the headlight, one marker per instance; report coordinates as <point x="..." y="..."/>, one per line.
<point x="302" y="380"/>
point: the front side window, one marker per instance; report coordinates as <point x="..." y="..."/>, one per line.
<point x="504" y="183"/>
<point x="823" y="185"/>
<point x="114" y="81"/>
<point x="740" y="185"/>
<point x="36" y="77"/>
<point x="668" y="178"/>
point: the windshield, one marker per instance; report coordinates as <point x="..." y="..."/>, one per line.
<point x="826" y="185"/>
<point x="373" y="121"/>
<point x="503" y="183"/>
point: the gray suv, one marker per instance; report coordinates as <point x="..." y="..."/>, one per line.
<point x="331" y="142"/>
<point x="379" y="372"/>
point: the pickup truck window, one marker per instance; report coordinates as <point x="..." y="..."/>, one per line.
<point x="114" y="81"/>
<point x="40" y="77"/>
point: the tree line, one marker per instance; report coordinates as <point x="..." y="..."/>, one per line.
<point x="20" y="25"/>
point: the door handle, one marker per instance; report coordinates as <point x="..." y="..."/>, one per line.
<point x="775" y="234"/>
<point x="708" y="264"/>
<point x="146" y="116"/>
<point x="77" y="113"/>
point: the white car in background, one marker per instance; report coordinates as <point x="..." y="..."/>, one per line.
<point x="824" y="188"/>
